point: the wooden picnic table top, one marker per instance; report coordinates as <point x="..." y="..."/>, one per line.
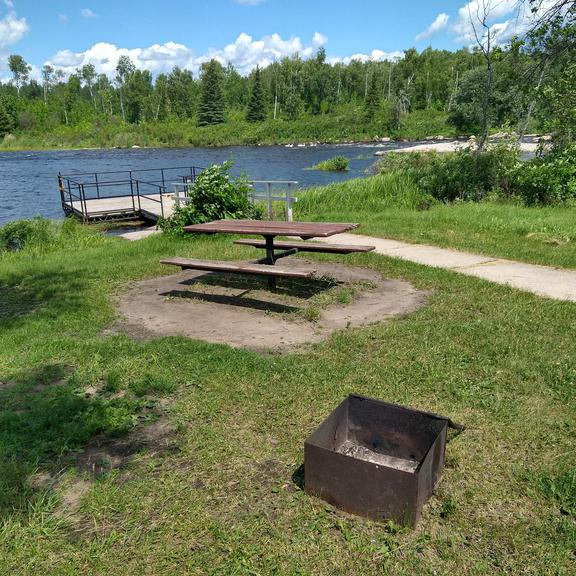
<point x="303" y="230"/>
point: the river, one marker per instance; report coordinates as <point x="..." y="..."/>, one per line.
<point x="28" y="180"/>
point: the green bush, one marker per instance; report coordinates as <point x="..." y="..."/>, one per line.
<point x="461" y="175"/>
<point x="336" y="164"/>
<point x="547" y="179"/>
<point x="214" y="195"/>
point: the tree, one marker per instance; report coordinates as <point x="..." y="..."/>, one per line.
<point x="88" y="74"/>
<point x="6" y="123"/>
<point x="138" y="92"/>
<point x="211" y="109"/>
<point x="181" y="93"/>
<point x="124" y="69"/>
<point x="484" y="40"/>
<point x="558" y="107"/>
<point x="47" y="75"/>
<point x="20" y="70"/>
<point x="257" y="104"/>
<point x="372" y="101"/>
<point x="160" y="104"/>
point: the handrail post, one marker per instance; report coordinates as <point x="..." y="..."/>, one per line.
<point x="83" y="200"/>
<point x="132" y="192"/>
<point x="162" y="172"/>
<point x="176" y="195"/>
<point x="70" y="194"/>
<point x="289" y="202"/>
<point x="269" y="194"/>
<point x="61" y="189"/>
<point x="162" y="199"/>
<point x="138" y="195"/>
<point x="97" y="186"/>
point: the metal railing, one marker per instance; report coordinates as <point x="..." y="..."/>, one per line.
<point x="267" y="191"/>
<point x="151" y="184"/>
<point x="270" y="191"/>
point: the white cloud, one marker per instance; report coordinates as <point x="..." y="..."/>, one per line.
<point x="245" y="54"/>
<point x="505" y="19"/>
<point x="440" y="22"/>
<point x="12" y="29"/>
<point x="374" y="56"/>
<point x="87" y="13"/>
<point x="62" y="18"/>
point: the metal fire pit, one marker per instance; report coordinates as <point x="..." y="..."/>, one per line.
<point x="375" y="459"/>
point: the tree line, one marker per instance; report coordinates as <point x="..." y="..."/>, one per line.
<point x="290" y="89"/>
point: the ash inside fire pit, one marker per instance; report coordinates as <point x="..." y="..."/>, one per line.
<point x="376" y="459"/>
<point x="349" y="448"/>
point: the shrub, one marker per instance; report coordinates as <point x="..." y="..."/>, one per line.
<point x="214" y="195"/>
<point x="547" y="179"/>
<point x="336" y="164"/>
<point x="457" y="175"/>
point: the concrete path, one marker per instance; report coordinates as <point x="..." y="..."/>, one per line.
<point x="556" y="283"/>
<point x="136" y="234"/>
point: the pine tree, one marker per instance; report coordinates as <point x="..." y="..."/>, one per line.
<point x="372" y="101"/>
<point x="211" y="109"/>
<point x="257" y="104"/>
<point x="6" y="124"/>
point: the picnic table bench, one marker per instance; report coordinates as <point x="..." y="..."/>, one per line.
<point x="269" y="230"/>
<point x="309" y="246"/>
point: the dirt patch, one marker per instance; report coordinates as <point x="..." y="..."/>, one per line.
<point x="241" y="312"/>
<point x="103" y="454"/>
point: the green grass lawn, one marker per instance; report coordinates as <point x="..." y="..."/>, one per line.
<point x="392" y="207"/>
<point x="222" y="500"/>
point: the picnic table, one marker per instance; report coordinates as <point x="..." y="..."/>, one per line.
<point x="270" y="230"/>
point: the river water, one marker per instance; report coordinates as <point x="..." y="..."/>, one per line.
<point x="28" y="180"/>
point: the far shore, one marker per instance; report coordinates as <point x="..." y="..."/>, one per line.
<point x="429" y="144"/>
<point x="453" y="146"/>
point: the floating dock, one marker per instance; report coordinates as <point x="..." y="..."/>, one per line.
<point x="152" y="193"/>
<point x="125" y="195"/>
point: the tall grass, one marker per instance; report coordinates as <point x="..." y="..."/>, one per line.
<point x="371" y="194"/>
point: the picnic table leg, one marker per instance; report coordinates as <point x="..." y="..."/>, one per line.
<point x="270" y="260"/>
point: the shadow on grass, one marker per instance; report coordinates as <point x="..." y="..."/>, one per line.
<point x="44" y="415"/>
<point x="298" y="477"/>
<point x="24" y="294"/>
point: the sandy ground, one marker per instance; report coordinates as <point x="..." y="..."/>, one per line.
<point x="450" y="146"/>
<point x="238" y="311"/>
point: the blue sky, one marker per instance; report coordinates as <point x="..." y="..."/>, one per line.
<point x="158" y="35"/>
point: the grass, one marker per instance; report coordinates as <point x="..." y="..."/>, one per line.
<point x="222" y="501"/>
<point x="391" y="206"/>
<point x="335" y="164"/>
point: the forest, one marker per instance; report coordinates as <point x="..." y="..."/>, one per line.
<point x="433" y="92"/>
<point x="423" y="94"/>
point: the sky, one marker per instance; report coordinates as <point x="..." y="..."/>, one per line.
<point x="160" y="35"/>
